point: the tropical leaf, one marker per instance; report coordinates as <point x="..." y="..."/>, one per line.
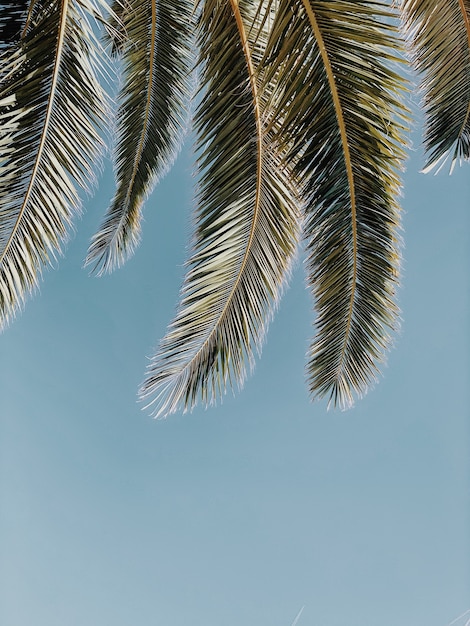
<point x="337" y="115"/>
<point x="247" y="224"/>
<point x="55" y="103"/>
<point x="157" y="57"/>
<point x="439" y="34"/>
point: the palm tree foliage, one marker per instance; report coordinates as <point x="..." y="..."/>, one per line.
<point x="439" y="33"/>
<point x="300" y="131"/>
<point x="55" y="103"/>
<point x="346" y="155"/>
<point x="153" y="39"/>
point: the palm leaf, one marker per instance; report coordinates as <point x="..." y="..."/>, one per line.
<point x="246" y="223"/>
<point x="156" y="54"/>
<point x="439" y="33"/>
<point x="56" y="102"/>
<point x="338" y="119"/>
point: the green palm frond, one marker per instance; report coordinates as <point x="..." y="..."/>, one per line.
<point x="339" y="120"/>
<point x="246" y="223"/>
<point x="57" y="103"/>
<point x="157" y="58"/>
<point x="439" y="34"/>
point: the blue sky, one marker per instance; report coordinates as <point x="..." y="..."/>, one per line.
<point x="244" y="513"/>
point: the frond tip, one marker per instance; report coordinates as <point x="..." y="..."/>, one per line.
<point x="341" y="122"/>
<point x="152" y="118"/>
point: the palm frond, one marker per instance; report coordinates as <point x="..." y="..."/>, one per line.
<point x="57" y="103"/>
<point x="439" y="35"/>
<point x="246" y="223"/>
<point x="152" y="101"/>
<point x="339" y="121"/>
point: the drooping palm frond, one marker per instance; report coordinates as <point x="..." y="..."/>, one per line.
<point x="57" y="103"/>
<point x="439" y="34"/>
<point x="157" y="56"/>
<point x="337" y="106"/>
<point x="246" y="223"/>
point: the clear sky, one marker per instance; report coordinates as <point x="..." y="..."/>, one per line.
<point x="241" y="514"/>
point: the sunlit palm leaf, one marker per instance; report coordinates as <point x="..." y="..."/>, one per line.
<point x="337" y="106"/>
<point x="439" y="33"/>
<point x="57" y="102"/>
<point x="246" y="224"/>
<point x="152" y="101"/>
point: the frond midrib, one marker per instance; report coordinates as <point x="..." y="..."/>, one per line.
<point x="348" y="165"/>
<point x="466" y="19"/>
<point x="28" y="18"/>
<point x="146" y="112"/>
<point x="259" y="160"/>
